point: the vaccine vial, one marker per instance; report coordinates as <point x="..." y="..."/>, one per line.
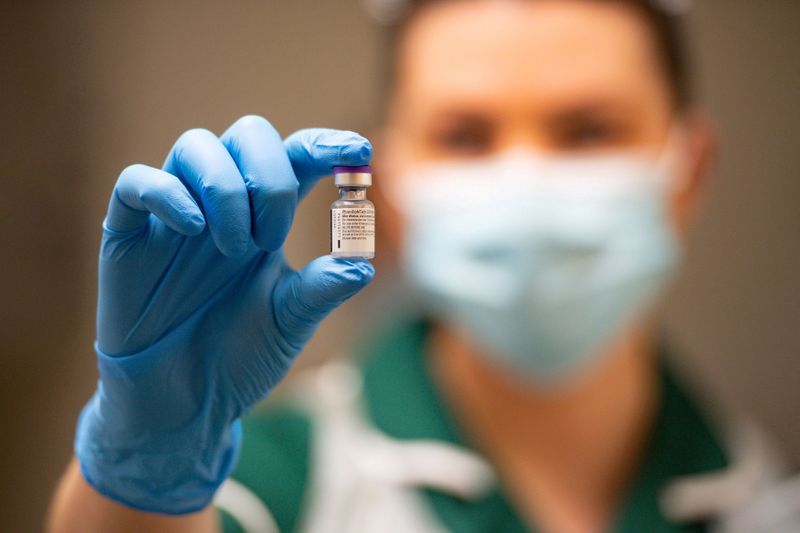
<point x="352" y="215"/>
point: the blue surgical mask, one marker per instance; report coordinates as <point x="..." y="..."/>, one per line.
<point x="541" y="261"/>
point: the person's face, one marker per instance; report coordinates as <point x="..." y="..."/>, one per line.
<point x="561" y="77"/>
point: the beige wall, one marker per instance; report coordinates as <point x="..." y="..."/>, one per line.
<point x="90" y="87"/>
<point x="737" y="308"/>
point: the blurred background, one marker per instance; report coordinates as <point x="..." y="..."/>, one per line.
<point x="87" y="88"/>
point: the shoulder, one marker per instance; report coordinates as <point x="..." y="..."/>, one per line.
<point x="273" y="466"/>
<point x="727" y="462"/>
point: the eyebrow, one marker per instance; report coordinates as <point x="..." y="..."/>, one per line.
<point x="596" y="105"/>
<point x="470" y="117"/>
<point x="566" y="113"/>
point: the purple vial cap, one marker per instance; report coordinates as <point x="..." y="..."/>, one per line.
<point x="352" y="170"/>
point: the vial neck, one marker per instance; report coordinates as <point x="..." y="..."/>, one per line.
<point x="352" y="193"/>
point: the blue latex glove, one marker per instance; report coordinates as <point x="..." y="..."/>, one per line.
<point x="199" y="315"/>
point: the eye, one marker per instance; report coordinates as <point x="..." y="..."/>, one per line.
<point x="464" y="138"/>
<point x="587" y="133"/>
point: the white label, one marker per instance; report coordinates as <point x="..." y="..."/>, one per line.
<point x="353" y="230"/>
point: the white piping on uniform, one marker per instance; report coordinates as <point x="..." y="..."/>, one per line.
<point x="364" y="481"/>
<point x="245" y="507"/>
<point x="775" y="510"/>
<point x="427" y="463"/>
<point x="754" y="467"/>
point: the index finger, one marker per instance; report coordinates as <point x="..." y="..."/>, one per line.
<point x="314" y="152"/>
<point x="261" y="157"/>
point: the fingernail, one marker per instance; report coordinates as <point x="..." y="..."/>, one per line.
<point x="365" y="152"/>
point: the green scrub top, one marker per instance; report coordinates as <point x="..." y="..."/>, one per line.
<point x="402" y="401"/>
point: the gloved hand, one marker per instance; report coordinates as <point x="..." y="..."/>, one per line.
<point x="199" y="315"/>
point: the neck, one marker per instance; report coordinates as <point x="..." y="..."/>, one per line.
<point x="565" y="454"/>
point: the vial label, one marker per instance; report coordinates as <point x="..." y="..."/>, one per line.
<point x="353" y="230"/>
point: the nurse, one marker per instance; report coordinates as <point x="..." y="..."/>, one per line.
<point x="538" y="169"/>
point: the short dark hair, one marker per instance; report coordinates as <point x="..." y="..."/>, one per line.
<point x="665" y="27"/>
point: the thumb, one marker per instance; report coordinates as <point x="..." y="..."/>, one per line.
<point x="305" y="297"/>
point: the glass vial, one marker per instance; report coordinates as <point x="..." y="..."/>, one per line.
<point x="352" y="215"/>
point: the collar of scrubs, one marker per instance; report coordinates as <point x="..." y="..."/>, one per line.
<point x="402" y="401"/>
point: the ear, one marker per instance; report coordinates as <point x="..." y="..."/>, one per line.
<point x="387" y="167"/>
<point x="701" y="149"/>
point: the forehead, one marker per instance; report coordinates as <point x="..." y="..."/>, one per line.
<point x="546" y="49"/>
